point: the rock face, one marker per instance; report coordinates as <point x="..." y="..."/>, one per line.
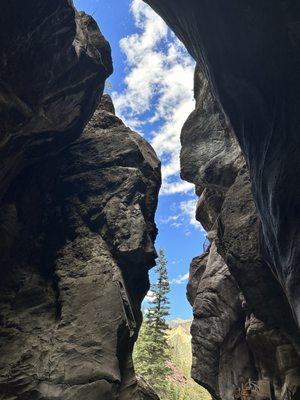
<point x="77" y="271"/>
<point x="77" y="213"/>
<point x="248" y="65"/>
<point x="243" y="325"/>
<point x="251" y="53"/>
<point x="53" y="63"/>
<point x="211" y="159"/>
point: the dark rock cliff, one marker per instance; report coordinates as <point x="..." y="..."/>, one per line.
<point x="74" y="276"/>
<point x="53" y="63"/>
<point x="77" y="213"/>
<point x="245" y="167"/>
<point x="243" y="327"/>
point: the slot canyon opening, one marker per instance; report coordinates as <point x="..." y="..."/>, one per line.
<point x="80" y="202"/>
<point x="152" y="89"/>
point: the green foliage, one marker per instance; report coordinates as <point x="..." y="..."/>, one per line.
<point x="179" y="339"/>
<point x="174" y="392"/>
<point x="152" y="350"/>
<point x="163" y="355"/>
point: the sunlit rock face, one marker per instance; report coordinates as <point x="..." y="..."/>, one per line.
<point x="75" y="273"/>
<point x="249" y="203"/>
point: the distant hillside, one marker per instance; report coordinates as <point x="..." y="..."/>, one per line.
<point x="184" y="386"/>
<point x="184" y="323"/>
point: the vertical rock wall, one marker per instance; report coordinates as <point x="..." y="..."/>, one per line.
<point x="248" y="65"/>
<point x="76" y="213"/>
<point x="250" y="53"/>
<point x="77" y="210"/>
<point x="243" y="326"/>
<point x="53" y="63"/>
<point x="77" y="270"/>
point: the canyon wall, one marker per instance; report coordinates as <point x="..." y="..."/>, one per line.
<point x="78" y="202"/>
<point x="243" y="327"/>
<point x="240" y="148"/>
<point x="77" y="213"/>
<point x="53" y="62"/>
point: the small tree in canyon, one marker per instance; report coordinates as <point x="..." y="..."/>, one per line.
<point x="152" y="350"/>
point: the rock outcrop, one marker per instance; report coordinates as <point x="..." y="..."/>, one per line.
<point x="211" y="159"/>
<point x="77" y="213"/>
<point x="243" y="325"/>
<point x="251" y="53"/>
<point x="77" y="208"/>
<point x="74" y="276"/>
<point x="53" y="63"/>
<point x="248" y="56"/>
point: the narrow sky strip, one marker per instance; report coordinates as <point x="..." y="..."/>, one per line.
<point x="152" y="89"/>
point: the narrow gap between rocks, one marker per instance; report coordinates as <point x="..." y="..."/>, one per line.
<point x="152" y="91"/>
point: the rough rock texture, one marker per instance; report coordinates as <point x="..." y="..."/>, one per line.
<point x="249" y="54"/>
<point x="243" y="325"/>
<point x="74" y="275"/>
<point x="53" y="63"/>
<point x="76" y="213"/>
<point x="221" y="354"/>
<point x="211" y="159"/>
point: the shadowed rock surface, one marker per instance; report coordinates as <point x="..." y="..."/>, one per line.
<point x="77" y="210"/>
<point x="53" y="63"/>
<point x="249" y="54"/>
<point x="146" y="392"/>
<point x="77" y="270"/>
<point x="77" y="213"/>
<point x="243" y="325"/>
<point x="211" y="159"/>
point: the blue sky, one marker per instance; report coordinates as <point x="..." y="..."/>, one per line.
<point x="152" y="89"/>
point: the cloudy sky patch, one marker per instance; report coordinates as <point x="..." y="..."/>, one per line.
<point x="158" y="90"/>
<point x="180" y="280"/>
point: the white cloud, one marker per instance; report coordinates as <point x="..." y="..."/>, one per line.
<point x="188" y="209"/>
<point x="158" y="89"/>
<point x="171" y="218"/>
<point x="183" y="215"/>
<point x="180" y="279"/>
<point x="150" y="296"/>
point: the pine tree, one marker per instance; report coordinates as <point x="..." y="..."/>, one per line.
<point x="152" y="350"/>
